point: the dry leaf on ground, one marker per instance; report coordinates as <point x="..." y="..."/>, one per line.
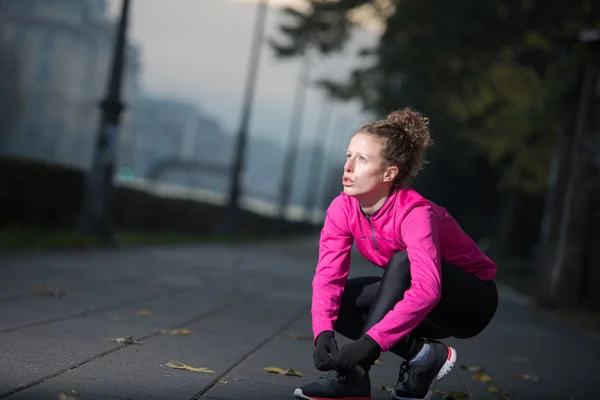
<point x="455" y="395"/>
<point x="65" y="397"/>
<point x="222" y="381"/>
<point x="180" y="365"/>
<point x="527" y="377"/>
<point x="42" y="289"/>
<point x="471" y="368"/>
<point x="182" y="332"/>
<point x="493" y="390"/>
<point x="144" y="313"/>
<point x="378" y="362"/>
<point x="281" y="371"/>
<point x="127" y="340"/>
<point x="482" y="377"/>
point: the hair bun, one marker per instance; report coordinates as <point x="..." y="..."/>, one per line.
<point x="413" y="124"/>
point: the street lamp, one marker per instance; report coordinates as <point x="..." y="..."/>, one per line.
<point x="97" y="205"/>
<point x="317" y="158"/>
<point x="242" y="136"/>
<point x="287" y="176"/>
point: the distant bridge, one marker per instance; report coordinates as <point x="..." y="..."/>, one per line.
<point x="156" y="169"/>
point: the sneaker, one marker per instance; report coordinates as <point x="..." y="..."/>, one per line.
<point x="335" y="386"/>
<point x="418" y="377"/>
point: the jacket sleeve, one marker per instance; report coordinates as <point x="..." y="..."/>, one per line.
<point x="419" y="231"/>
<point x="335" y="245"/>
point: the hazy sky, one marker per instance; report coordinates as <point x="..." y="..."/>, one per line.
<point x="199" y="50"/>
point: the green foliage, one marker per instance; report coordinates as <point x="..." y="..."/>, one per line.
<point x="496" y="77"/>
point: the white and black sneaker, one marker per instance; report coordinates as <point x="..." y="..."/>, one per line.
<point x="418" y="376"/>
<point x="335" y="386"/>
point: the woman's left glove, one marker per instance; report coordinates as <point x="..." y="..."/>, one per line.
<point x="364" y="352"/>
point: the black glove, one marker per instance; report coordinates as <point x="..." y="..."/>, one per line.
<point x="364" y="352"/>
<point x="326" y="352"/>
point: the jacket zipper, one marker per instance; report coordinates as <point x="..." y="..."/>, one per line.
<point x="372" y="233"/>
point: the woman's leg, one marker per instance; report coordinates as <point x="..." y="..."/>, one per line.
<point x="359" y="295"/>
<point x="466" y="307"/>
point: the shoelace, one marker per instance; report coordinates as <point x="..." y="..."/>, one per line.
<point x="403" y="374"/>
<point x="407" y="375"/>
<point x="331" y="376"/>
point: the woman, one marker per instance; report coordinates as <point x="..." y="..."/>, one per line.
<point x="436" y="283"/>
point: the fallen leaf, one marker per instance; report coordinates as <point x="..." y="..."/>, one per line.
<point x="182" y="332"/>
<point x="493" y="390"/>
<point x="179" y="365"/>
<point x="127" y="340"/>
<point x="472" y="368"/>
<point x="291" y="372"/>
<point x="455" y="394"/>
<point x="378" y="362"/>
<point x="42" y="289"/>
<point x="273" y="370"/>
<point x="387" y="389"/>
<point x="144" y="313"/>
<point x="65" y="397"/>
<point x="281" y="371"/>
<point x="222" y="381"/>
<point x="482" y="377"/>
<point x="527" y="377"/>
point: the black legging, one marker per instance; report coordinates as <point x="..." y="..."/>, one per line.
<point x="466" y="307"/>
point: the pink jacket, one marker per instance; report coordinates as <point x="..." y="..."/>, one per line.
<point x="407" y="221"/>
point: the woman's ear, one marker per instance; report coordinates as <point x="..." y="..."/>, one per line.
<point x="390" y="173"/>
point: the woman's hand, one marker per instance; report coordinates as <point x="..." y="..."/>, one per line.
<point x="326" y="352"/>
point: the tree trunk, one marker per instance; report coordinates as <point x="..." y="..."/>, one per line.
<point x="553" y="204"/>
<point x="567" y="267"/>
<point x="500" y="244"/>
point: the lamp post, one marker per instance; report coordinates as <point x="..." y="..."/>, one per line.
<point x="242" y="136"/>
<point x="295" y="129"/>
<point x="97" y="206"/>
<point x="317" y="159"/>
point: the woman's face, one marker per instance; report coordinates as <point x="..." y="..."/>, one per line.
<point x="363" y="176"/>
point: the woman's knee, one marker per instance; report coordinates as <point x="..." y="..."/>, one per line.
<point x="357" y="298"/>
<point x="399" y="261"/>
<point x="398" y="268"/>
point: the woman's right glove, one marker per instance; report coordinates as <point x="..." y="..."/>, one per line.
<point x="326" y="352"/>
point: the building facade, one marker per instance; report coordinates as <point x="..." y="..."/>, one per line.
<point x="62" y="50"/>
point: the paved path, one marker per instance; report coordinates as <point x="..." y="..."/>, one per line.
<point x="247" y="308"/>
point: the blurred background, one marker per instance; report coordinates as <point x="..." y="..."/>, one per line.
<point x="151" y="122"/>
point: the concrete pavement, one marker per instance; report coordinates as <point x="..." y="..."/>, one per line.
<point x="246" y="308"/>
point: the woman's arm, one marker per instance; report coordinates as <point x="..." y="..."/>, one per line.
<point x="332" y="269"/>
<point x="419" y="231"/>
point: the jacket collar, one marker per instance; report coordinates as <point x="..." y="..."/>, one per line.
<point x="381" y="211"/>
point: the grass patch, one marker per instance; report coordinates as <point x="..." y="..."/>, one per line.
<point x="38" y="239"/>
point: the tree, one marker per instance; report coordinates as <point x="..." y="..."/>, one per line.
<point x="499" y="79"/>
<point x="491" y="69"/>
